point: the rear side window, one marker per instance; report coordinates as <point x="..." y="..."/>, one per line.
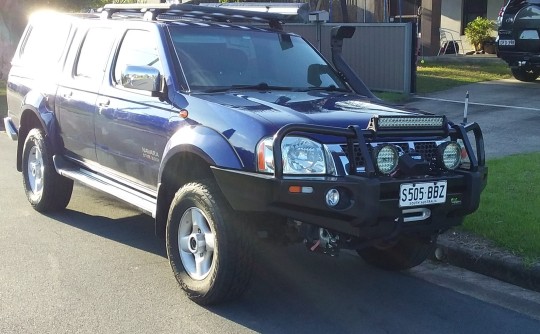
<point x="45" y="42"/>
<point x="138" y="48"/>
<point x="516" y="5"/>
<point x="94" y="53"/>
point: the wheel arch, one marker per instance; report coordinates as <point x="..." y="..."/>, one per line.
<point x="30" y="119"/>
<point x="188" y="156"/>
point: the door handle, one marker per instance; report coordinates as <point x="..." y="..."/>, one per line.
<point x="67" y="95"/>
<point x="102" y="103"/>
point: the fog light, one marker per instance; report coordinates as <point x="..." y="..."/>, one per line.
<point x="386" y="158"/>
<point x="332" y="197"/>
<point x="450" y="155"/>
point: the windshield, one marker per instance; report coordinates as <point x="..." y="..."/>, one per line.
<point x="218" y="59"/>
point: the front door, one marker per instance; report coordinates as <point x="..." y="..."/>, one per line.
<point x="132" y="126"/>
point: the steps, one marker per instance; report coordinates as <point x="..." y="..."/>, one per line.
<point x="99" y="182"/>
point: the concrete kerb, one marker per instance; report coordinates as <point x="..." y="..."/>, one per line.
<point x="465" y="59"/>
<point x="473" y="253"/>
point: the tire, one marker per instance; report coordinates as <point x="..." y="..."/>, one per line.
<point x="46" y="190"/>
<point x="213" y="263"/>
<point x="406" y="253"/>
<point x="525" y="75"/>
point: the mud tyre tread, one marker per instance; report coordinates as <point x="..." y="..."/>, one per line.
<point x="406" y="253"/>
<point x="525" y="75"/>
<point x="57" y="189"/>
<point x="231" y="269"/>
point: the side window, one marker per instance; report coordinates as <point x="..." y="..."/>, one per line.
<point x="45" y="43"/>
<point x="94" y="53"/>
<point x="137" y="48"/>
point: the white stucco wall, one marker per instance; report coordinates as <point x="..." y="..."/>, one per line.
<point x="451" y="14"/>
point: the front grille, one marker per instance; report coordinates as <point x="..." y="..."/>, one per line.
<point x="427" y="150"/>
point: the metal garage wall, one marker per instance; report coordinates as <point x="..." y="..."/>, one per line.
<point x="379" y="53"/>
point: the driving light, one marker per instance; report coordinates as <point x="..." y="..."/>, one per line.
<point x="450" y="155"/>
<point x="386" y="158"/>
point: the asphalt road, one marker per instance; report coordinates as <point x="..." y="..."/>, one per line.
<point x="98" y="268"/>
<point x="508" y="112"/>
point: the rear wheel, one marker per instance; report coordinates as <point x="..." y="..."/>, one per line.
<point x="407" y="252"/>
<point x="525" y="75"/>
<point x="207" y="245"/>
<point x="45" y="189"/>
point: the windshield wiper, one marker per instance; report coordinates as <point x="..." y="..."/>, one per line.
<point x="330" y="88"/>
<point x="263" y="86"/>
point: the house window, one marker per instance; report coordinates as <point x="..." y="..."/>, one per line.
<point x="471" y="10"/>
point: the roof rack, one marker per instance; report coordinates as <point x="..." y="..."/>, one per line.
<point x="151" y="12"/>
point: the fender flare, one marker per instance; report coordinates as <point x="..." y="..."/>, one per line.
<point x="36" y="104"/>
<point x="204" y="142"/>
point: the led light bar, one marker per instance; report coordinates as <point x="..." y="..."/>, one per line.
<point x="401" y="122"/>
<point x="404" y="125"/>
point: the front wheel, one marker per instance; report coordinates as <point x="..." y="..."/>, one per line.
<point x="407" y="252"/>
<point x="525" y="75"/>
<point x="207" y="245"/>
<point x="45" y="189"/>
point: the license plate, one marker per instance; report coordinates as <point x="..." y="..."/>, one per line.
<point x="415" y="194"/>
<point x="507" y="42"/>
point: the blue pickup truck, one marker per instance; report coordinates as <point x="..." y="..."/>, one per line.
<point x="226" y="131"/>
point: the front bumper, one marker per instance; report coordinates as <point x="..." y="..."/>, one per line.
<point x="513" y="58"/>
<point x="373" y="210"/>
<point x="371" y="202"/>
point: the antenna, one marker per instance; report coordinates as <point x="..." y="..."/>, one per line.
<point x="466" y="108"/>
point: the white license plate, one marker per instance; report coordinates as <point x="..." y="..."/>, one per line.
<point x="414" y="194"/>
<point x="507" y="42"/>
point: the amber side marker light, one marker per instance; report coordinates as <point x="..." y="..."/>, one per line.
<point x="300" y="190"/>
<point x="183" y="113"/>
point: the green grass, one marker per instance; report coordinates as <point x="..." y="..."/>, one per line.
<point x="509" y="212"/>
<point x="435" y="76"/>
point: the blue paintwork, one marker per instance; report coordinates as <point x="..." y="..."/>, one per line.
<point x="263" y="113"/>
<point x="134" y="135"/>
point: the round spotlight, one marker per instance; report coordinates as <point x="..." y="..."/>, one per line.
<point x="386" y="158"/>
<point x="450" y="155"/>
<point x="332" y="197"/>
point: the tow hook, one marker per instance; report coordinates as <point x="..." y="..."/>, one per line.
<point x="321" y="240"/>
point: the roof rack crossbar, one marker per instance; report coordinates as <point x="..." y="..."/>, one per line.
<point x="152" y="11"/>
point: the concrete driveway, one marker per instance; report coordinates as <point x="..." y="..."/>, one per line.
<point x="508" y="112"/>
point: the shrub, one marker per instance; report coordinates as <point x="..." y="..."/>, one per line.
<point x="479" y="31"/>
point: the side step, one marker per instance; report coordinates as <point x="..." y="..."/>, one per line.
<point x="144" y="202"/>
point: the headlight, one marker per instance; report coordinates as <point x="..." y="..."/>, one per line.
<point x="450" y="155"/>
<point x="300" y="156"/>
<point x="386" y="158"/>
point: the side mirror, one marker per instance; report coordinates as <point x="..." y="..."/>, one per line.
<point x="315" y="71"/>
<point x="144" y="78"/>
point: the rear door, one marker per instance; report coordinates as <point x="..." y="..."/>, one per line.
<point x="78" y="91"/>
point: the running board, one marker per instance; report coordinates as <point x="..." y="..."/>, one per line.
<point x="93" y="180"/>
